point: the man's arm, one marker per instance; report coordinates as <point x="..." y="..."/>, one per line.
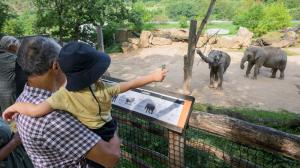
<point x="32" y="110"/>
<point x="106" y="153"/>
<point x="8" y="148"/>
<point x="157" y="76"/>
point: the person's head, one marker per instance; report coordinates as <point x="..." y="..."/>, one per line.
<point x="38" y="57"/>
<point x="10" y="44"/>
<point x="82" y="64"/>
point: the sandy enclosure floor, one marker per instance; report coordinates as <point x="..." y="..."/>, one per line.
<point x="264" y="93"/>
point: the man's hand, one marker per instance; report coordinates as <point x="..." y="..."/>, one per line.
<point x="10" y="113"/>
<point x="159" y="76"/>
<point x="16" y="139"/>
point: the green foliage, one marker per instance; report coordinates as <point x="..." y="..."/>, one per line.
<point x="183" y="22"/>
<point x="263" y="18"/>
<point x="139" y="15"/>
<point x="21" y="25"/>
<point x="5" y="13"/>
<point x="250" y="18"/>
<point x="295" y="13"/>
<point x="63" y="19"/>
<point x="114" y="48"/>
<point x="275" y="17"/>
<point x="225" y="9"/>
<point x="176" y="9"/>
<point x="13" y="27"/>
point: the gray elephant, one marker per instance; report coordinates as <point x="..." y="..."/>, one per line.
<point x="270" y="57"/>
<point x="218" y="62"/>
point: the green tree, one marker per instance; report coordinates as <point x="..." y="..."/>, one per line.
<point x="5" y="13"/>
<point x="139" y="15"/>
<point x="176" y="9"/>
<point x="250" y="18"/>
<point x="63" y="18"/>
<point x="262" y="18"/>
<point x="183" y="22"/>
<point x="226" y="9"/>
<point x="275" y="17"/>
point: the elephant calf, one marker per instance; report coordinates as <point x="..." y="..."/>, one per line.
<point x="218" y="62"/>
<point x="270" y="57"/>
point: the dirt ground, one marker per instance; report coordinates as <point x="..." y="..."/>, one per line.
<point x="264" y="93"/>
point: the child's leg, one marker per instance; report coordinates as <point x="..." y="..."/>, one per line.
<point x="106" y="132"/>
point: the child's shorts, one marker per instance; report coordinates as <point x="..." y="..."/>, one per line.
<point x="107" y="131"/>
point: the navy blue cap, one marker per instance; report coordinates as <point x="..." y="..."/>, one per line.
<point x="82" y="64"/>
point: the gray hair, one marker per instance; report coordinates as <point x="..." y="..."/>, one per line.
<point x="37" y="54"/>
<point x="8" y="41"/>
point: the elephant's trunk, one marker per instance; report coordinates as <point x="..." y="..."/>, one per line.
<point x="244" y="59"/>
<point x="204" y="58"/>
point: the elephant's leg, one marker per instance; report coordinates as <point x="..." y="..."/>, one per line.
<point x="281" y="74"/>
<point x="274" y="70"/>
<point x="250" y="65"/>
<point x="256" y="68"/>
<point x="220" y="80"/>
<point x="211" y="80"/>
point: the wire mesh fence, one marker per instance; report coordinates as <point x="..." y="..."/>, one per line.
<point x="149" y="145"/>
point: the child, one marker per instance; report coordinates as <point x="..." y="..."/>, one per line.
<point x="84" y="96"/>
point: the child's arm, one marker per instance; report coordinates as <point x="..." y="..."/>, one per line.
<point x="157" y="76"/>
<point x="32" y="110"/>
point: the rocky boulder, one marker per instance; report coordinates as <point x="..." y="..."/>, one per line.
<point x="290" y="35"/>
<point x="145" y="39"/>
<point x="207" y="40"/>
<point x="164" y="33"/>
<point x="229" y="42"/>
<point x="283" y="43"/>
<point x="161" y="41"/>
<point x="127" y="47"/>
<point x="135" y="41"/>
<point x="244" y="37"/>
<point x="179" y="35"/>
<point x="277" y="39"/>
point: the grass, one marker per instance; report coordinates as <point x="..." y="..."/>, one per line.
<point x="231" y="27"/>
<point x="281" y="120"/>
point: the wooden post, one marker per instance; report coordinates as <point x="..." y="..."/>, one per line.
<point x="193" y="40"/>
<point x="100" y="37"/>
<point x="176" y="150"/>
<point x="189" y="58"/>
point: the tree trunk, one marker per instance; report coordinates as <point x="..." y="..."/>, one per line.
<point x="193" y="39"/>
<point x="250" y="134"/>
<point x="100" y="37"/>
<point x="189" y="58"/>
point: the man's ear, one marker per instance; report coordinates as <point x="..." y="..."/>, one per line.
<point x="13" y="49"/>
<point x="55" y="66"/>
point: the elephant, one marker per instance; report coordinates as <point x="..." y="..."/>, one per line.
<point x="270" y="57"/>
<point x="218" y="62"/>
<point x="149" y="108"/>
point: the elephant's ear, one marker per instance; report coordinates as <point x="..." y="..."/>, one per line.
<point x="257" y="57"/>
